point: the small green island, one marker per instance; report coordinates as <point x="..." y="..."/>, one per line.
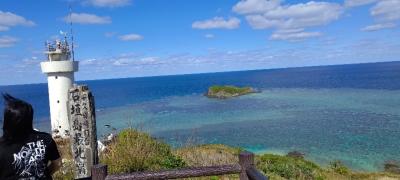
<point x="224" y="92"/>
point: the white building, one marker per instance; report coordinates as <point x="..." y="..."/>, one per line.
<point x="60" y="77"/>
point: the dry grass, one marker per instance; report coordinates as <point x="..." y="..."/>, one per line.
<point x="208" y="155"/>
<point x="374" y="176"/>
<point x="64" y="148"/>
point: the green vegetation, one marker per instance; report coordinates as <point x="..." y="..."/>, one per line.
<point x="276" y="167"/>
<point x="136" y="151"/>
<point x="288" y="167"/>
<point x="338" y="167"/>
<point x="223" y="92"/>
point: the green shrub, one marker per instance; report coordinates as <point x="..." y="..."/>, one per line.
<point x="338" y="167"/>
<point x="136" y="151"/>
<point x="288" y="167"/>
<point x="214" y="178"/>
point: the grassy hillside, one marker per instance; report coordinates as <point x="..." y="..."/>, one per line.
<point x="276" y="167"/>
<point x="136" y="151"/>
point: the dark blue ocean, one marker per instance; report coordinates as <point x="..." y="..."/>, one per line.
<point x="345" y="112"/>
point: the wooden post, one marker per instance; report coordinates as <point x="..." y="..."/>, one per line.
<point x="246" y="160"/>
<point x="83" y="137"/>
<point x="99" y="172"/>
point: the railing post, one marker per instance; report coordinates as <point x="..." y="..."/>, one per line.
<point x="246" y="160"/>
<point x="99" y="172"/>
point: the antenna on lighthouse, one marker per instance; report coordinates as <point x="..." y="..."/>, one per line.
<point x="72" y="35"/>
<point x="60" y="71"/>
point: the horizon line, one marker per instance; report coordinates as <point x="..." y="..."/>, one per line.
<point x="183" y="74"/>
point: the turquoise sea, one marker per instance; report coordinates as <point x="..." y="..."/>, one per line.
<point x="346" y="112"/>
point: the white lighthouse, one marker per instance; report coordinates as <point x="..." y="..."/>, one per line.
<point x="60" y="77"/>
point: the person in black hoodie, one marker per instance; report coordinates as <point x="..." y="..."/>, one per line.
<point x="24" y="152"/>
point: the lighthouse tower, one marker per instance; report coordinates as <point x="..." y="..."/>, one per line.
<point x="60" y="77"/>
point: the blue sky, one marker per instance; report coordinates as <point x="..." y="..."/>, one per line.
<point x="133" y="38"/>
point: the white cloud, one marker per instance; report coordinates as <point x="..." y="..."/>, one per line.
<point x="8" y="19"/>
<point x="85" y="18"/>
<point x="387" y="10"/>
<point x="209" y="36"/>
<point x="131" y="37"/>
<point x="255" y="6"/>
<point x="296" y="16"/>
<point x="377" y="27"/>
<point x="4" y="28"/>
<point x="120" y="63"/>
<point x="88" y="62"/>
<point x="311" y="54"/>
<point x="29" y="62"/>
<point x="353" y="3"/>
<point x="108" y="3"/>
<point x="386" y="13"/>
<point x="135" y="61"/>
<point x="7" y="41"/>
<point x="217" y="23"/>
<point x="271" y="14"/>
<point x="293" y="36"/>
